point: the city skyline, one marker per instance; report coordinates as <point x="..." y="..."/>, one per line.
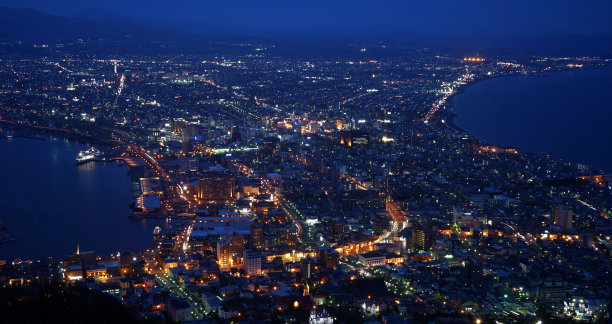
<point x="155" y="173"/>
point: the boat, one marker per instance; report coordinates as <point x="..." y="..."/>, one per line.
<point x="90" y="154"/>
<point x="157" y="233"/>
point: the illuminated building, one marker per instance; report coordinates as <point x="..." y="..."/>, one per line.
<point x="193" y="164"/>
<point x="112" y="288"/>
<point x="257" y="235"/>
<point x="219" y="225"/>
<point x="307" y="267"/>
<point x="328" y="258"/>
<point x="421" y="239"/>
<point x="97" y="272"/>
<point x="287" y="236"/>
<point x="73" y="272"/>
<point x="151" y="186"/>
<point x="321" y="317"/>
<point x="562" y="216"/>
<point x="224" y="253"/>
<point x="337" y="228"/>
<point x="237" y="244"/>
<point x="246" y="187"/>
<point x="177" y="125"/>
<point x="354" y="137"/>
<point x="148" y="202"/>
<point x="372" y="259"/>
<point x="216" y="186"/>
<point x="584" y="309"/>
<point x="125" y="262"/>
<point x="552" y="291"/>
<point x="191" y="132"/>
<point x="252" y="262"/>
<point x="269" y="241"/>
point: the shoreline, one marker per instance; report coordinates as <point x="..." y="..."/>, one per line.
<point x="67" y="134"/>
<point x="80" y="141"/>
<point x="452" y="114"/>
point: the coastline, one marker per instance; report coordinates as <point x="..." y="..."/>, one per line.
<point x="67" y="134"/>
<point x="25" y="241"/>
<point x="452" y="104"/>
<point x="451" y="114"/>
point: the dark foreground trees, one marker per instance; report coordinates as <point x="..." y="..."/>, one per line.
<point x="54" y="302"/>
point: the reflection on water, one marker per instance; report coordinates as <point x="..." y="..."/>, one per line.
<point x="565" y="114"/>
<point x="52" y="204"/>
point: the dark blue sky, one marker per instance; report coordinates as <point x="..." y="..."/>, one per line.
<point x="504" y="17"/>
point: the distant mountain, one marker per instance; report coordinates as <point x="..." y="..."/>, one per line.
<point x="178" y="25"/>
<point x="99" y="14"/>
<point x="34" y="26"/>
<point x="104" y="25"/>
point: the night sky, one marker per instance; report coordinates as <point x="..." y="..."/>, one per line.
<point x="513" y="18"/>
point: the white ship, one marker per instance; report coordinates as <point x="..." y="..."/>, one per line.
<point x="89" y="155"/>
<point x="157" y="233"/>
<point x="156" y="230"/>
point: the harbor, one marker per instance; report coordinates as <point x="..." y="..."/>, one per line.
<point x="92" y="208"/>
<point x="146" y="191"/>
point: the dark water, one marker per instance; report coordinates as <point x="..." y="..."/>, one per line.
<point x="567" y="114"/>
<point x="51" y="204"/>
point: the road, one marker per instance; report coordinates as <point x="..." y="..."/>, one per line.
<point x="197" y="308"/>
<point x="291" y="212"/>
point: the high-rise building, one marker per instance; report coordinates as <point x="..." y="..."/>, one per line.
<point x="224" y="253"/>
<point x="216" y="186"/>
<point x="562" y="216"/>
<point x="421" y="239"/>
<point x="328" y="257"/>
<point x="177" y="125"/>
<point x="193" y="164"/>
<point x="552" y="291"/>
<point x="307" y="267"/>
<point x="257" y="235"/>
<point x="191" y="132"/>
<point x="287" y="236"/>
<point x="125" y="262"/>
<point x="337" y="228"/>
<point x="252" y="262"/>
<point x="269" y="241"/>
<point x="237" y="245"/>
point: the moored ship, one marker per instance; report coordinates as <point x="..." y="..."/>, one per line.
<point x="91" y="154"/>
